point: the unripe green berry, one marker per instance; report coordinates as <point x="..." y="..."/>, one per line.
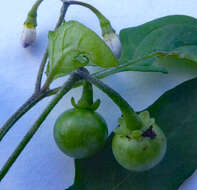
<point x="80" y="133"/>
<point x="139" y="150"/>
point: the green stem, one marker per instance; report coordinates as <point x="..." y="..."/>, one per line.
<point x="123" y="67"/>
<point x="104" y="22"/>
<point x="19" y="113"/>
<point x="32" y="15"/>
<point x="48" y="82"/>
<point x="45" y="56"/>
<point x="86" y="99"/>
<point x="132" y="120"/>
<point x="64" y="9"/>
<point x="23" y="109"/>
<point x="41" y="70"/>
<point x="65" y="88"/>
<point x="39" y="94"/>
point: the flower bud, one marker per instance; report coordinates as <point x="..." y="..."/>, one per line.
<point x="29" y="31"/>
<point x="28" y="36"/>
<point x="113" y="42"/>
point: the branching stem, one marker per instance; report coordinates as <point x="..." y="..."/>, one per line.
<point x="39" y="93"/>
<point x="45" y="56"/>
<point x="65" y="88"/>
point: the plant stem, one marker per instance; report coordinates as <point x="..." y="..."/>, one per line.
<point x="133" y="122"/>
<point x="41" y="70"/>
<point x="86" y="99"/>
<point x="23" y="109"/>
<point x="62" y="15"/>
<point x="36" y="5"/>
<point x="45" y="56"/>
<point x="124" y="67"/>
<point x="47" y="82"/>
<point x="65" y="88"/>
<point x="39" y="94"/>
<point x="104" y="22"/>
<point x="32" y="14"/>
<point x="19" y="113"/>
<point x="93" y="9"/>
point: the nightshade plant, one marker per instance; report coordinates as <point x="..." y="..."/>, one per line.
<point x="140" y="153"/>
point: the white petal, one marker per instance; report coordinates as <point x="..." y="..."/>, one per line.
<point x="113" y="42"/>
<point x="28" y="36"/>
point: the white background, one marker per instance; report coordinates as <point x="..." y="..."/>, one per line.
<point x="42" y="165"/>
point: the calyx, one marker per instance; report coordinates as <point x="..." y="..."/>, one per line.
<point x="86" y="100"/>
<point x="146" y="131"/>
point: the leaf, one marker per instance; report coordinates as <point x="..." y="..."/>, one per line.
<point x="175" y="112"/>
<point x="132" y="37"/>
<point x="171" y="37"/>
<point x="73" y="45"/>
<point x="171" y="34"/>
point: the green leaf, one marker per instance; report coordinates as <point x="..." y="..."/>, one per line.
<point x="169" y="35"/>
<point x="175" y="112"/>
<point x="73" y="45"/>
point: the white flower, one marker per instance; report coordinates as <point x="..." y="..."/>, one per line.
<point x="28" y="36"/>
<point x="113" y="42"/>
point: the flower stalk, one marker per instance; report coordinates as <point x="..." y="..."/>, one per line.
<point x="109" y="35"/>
<point x="133" y="121"/>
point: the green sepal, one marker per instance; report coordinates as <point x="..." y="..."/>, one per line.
<point x="86" y="100"/>
<point x="122" y="128"/>
<point x="96" y="105"/>
<point x="92" y="107"/>
<point x="74" y="103"/>
<point x="145" y="118"/>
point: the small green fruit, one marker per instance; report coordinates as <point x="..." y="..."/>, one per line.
<point x="139" y="150"/>
<point x="80" y="133"/>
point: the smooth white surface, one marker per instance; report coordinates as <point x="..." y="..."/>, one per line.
<point x="42" y="165"/>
